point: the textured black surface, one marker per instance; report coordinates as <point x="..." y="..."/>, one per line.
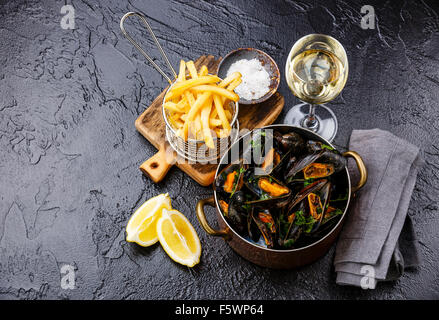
<point x="70" y="153"/>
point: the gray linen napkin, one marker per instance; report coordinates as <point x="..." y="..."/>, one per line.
<point x="369" y="247"/>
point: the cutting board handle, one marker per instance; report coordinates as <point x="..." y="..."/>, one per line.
<point x="157" y="166"/>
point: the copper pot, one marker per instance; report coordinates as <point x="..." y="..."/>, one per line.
<point x="272" y="258"/>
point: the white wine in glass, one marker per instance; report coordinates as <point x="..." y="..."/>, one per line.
<point x="316" y="72"/>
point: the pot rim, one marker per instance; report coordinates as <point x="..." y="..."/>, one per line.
<point x="278" y="250"/>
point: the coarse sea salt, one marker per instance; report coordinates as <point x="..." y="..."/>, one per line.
<point x="255" y="79"/>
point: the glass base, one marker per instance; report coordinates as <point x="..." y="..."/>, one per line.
<point x="325" y="126"/>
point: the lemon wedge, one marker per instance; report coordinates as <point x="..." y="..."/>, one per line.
<point x="179" y="238"/>
<point x="141" y="227"/>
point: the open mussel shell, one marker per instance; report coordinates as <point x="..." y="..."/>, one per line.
<point x="293" y="235"/>
<point x="266" y="225"/>
<point x="268" y="190"/>
<point x="230" y="179"/>
<point x="298" y="204"/>
<point x="274" y="162"/>
<point x="327" y="224"/>
<point x="293" y="231"/>
<point x="256" y="145"/>
<point x="302" y="194"/>
<point x="252" y="228"/>
<point x="319" y="164"/>
<point x="323" y="203"/>
<point x="301" y="164"/>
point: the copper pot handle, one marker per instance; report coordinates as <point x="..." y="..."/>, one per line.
<point x="203" y="221"/>
<point x="361" y="168"/>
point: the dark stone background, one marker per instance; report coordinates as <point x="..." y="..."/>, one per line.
<point x="70" y="153"/>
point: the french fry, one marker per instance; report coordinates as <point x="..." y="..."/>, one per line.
<point x="214" y="113"/>
<point x="221" y="133"/>
<point x="214" y="89"/>
<point x="190" y="98"/>
<point x="179" y="123"/>
<point x="199" y="103"/>
<point x="221" y="112"/>
<point x="232" y="86"/>
<point x="198" y="126"/>
<point x="228" y="114"/>
<point x="178" y="88"/>
<point x="195" y="126"/>
<point x="229" y="79"/>
<point x="203" y="71"/>
<point x="172" y="121"/>
<point x="215" y="122"/>
<point x="182" y="72"/>
<point x="192" y="70"/>
<point x="183" y="104"/>
<point x="205" y="112"/>
<point x="173" y="106"/>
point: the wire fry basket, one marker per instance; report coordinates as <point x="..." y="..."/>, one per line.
<point x="192" y="149"/>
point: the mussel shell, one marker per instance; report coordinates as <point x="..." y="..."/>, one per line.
<point x="290" y="142"/>
<point x="237" y="214"/>
<point x="267" y="229"/>
<point x="333" y="157"/>
<point x="325" y="226"/>
<point x="221" y="179"/>
<point x="252" y="228"/>
<point x="263" y="198"/>
<point x="272" y="168"/>
<point x="313" y="146"/>
<point x="293" y="231"/>
<point x="324" y="194"/>
<point x="302" y="194"/>
<point x="302" y="163"/>
<point x="254" y="146"/>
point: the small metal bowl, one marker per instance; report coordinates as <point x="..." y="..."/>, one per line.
<point x="250" y="53"/>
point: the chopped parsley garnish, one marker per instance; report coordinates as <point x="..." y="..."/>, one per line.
<point x="325" y="146"/>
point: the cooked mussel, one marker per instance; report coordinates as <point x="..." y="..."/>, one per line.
<point x="301" y="163"/>
<point x="318" y="204"/>
<point x="266" y="225"/>
<point x="318" y="170"/>
<point x="271" y="160"/>
<point x="299" y="216"/>
<point x="230" y="179"/>
<point x="320" y="164"/>
<point x="303" y="193"/>
<point x="294" y="228"/>
<point x="267" y="189"/>
<point x="256" y="145"/>
<point x="252" y="228"/>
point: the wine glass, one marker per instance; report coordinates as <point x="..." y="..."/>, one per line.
<point x="316" y="72"/>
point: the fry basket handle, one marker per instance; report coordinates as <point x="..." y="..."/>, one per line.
<point x="148" y="27"/>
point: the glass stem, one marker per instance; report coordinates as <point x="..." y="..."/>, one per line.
<point x="310" y="121"/>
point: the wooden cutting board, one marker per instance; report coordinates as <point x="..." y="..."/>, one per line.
<point x="152" y="126"/>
